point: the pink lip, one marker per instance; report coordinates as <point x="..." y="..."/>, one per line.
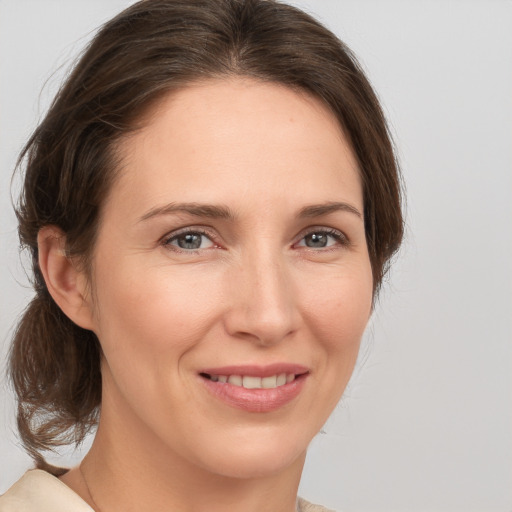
<point x="256" y="400"/>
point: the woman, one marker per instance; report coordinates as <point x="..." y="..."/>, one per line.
<point x="210" y="203"/>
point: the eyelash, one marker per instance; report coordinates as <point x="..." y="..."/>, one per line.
<point x="340" y="238"/>
<point x="166" y="242"/>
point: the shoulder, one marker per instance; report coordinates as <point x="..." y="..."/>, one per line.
<point x="305" y="506"/>
<point x="38" y="491"/>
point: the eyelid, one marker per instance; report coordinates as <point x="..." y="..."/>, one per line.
<point x="338" y="235"/>
<point x="166" y="239"/>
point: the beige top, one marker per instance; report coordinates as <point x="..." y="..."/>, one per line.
<point x="38" y="491"/>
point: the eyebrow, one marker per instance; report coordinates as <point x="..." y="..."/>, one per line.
<point x="213" y="211"/>
<point x="317" y="210"/>
<point x="210" y="211"/>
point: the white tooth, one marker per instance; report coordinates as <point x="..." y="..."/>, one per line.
<point x="290" y="377"/>
<point x="269" y="382"/>
<point x="223" y="378"/>
<point x="215" y="378"/>
<point x="251" y="382"/>
<point x="281" y="379"/>
<point x="236" y="380"/>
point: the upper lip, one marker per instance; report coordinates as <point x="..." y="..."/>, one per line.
<point x="257" y="370"/>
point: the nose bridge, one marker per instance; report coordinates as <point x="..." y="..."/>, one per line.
<point x="264" y="307"/>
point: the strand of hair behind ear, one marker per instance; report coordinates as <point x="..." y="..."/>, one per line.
<point x="61" y="361"/>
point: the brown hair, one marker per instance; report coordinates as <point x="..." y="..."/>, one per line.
<point x="149" y="49"/>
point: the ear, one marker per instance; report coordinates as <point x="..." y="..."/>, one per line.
<point x="65" y="282"/>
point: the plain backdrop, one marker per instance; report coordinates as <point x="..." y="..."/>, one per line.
<point x="426" y="423"/>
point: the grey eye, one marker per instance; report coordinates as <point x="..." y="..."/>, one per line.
<point x="322" y="239"/>
<point x="316" y="240"/>
<point x="190" y="241"/>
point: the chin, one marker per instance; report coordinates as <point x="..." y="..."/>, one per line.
<point x="246" y="467"/>
<point x="258" y="457"/>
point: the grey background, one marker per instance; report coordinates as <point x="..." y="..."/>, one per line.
<point x="426" y="423"/>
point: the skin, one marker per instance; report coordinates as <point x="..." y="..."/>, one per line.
<point x="253" y="293"/>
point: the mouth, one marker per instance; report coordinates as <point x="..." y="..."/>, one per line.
<point x="252" y="381"/>
<point x="256" y="389"/>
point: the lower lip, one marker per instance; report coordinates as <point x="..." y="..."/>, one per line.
<point x="256" y="400"/>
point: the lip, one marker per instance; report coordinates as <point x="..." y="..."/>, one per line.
<point x="256" y="400"/>
<point x="257" y="370"/>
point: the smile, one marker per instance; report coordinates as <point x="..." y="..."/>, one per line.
<point x="253" y="382"/>
<point x="255" y="389"/>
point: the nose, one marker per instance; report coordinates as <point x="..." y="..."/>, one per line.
<point x="263" y="305"/>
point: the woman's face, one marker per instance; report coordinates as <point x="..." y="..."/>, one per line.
<point x="231" y="248"/>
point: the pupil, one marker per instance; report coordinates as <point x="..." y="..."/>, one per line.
<point x="190" y="241"/>
<point x="316" y="240"/>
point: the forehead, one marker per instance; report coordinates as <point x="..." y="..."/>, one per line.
<point x="238" y="138"/>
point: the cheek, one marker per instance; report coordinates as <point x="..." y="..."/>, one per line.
<point x="337" y="309"/>
<point x="339" y="306"/>
<point x="151" y="310"/>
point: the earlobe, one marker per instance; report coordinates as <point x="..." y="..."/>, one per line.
<point x="65" y="282"/>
